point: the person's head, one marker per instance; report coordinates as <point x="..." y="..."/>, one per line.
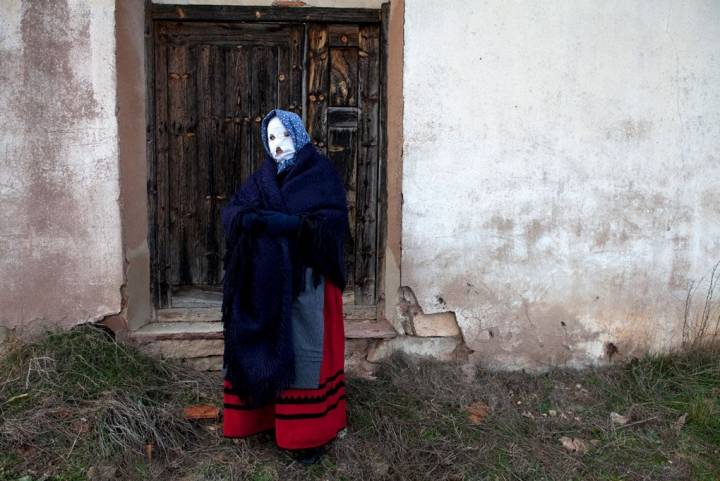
<point x="279" y="141"/>
<point x="283" y="134"/>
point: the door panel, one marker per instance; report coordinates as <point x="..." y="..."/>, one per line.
<point x="343" y="109"/>
<point x="213" y="84"/>
<point x="218" y="82"/>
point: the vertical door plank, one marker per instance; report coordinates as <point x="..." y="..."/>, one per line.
<point x="217" y="165"/>
<point x="246" y="149"/>
<point x="366" y="234"/>
<point x="342" y="151"/>
<point x="264" y="94"/>
<point x="343" y="117"/>
<point x="160" y="193"/>
<point x="382" y="224"/>
<point x="317" y="85"/>
<point x="284" y="82"/>
<point x="196" y="189"/>
<point x="183" y="150"/>
<point x="228" y="175"/>
<point x="297" y="69"/>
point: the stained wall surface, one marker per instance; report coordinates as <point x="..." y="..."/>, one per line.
<point x="560" y="169"/>
<point x="60" y="247"/>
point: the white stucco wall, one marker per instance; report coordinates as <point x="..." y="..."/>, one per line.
<point x="60" y="237"/>
<point x="561" y="162"/>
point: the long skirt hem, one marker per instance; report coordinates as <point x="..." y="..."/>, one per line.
<point x="301" y="418"/>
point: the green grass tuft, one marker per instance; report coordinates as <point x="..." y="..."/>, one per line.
<point x="77" y="399"/>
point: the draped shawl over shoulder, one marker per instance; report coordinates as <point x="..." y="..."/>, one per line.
<point x="263" y="274"/>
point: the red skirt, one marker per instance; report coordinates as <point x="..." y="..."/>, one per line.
<point x="301" y="418"/>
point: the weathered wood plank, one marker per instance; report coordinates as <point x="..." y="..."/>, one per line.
<point x="297" y="69"/>
<point x="366" y="233"/>
<point x="343" y="77"/>
<point x="159" y="175"/>
<point x="228" y="174"/>
<point x="317" y="85"/>
<point x="342" y="151"/>
<point x="232" y="13"/>
<point x="343" y="35"/>
<point x="283" y="77"/>
<point x="217" y="163"/>
<point x="196" y="188"/>
<point x="382" y="223"/>
<point x="264" y="94"/>
<point x="226" y="33"/>
<point x="246" y="159"/>
<point x="178" y="80"/>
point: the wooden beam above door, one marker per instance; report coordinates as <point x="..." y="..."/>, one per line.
<point x="236" y="13"/>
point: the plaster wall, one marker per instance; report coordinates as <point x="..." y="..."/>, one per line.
<point x="560" y="166"/>
<point x="60" y="233"/>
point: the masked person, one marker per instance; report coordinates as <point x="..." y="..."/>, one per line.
<point x="282" y="310"/>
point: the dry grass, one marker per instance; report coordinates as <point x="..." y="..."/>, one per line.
<point x="701" y="319"/>
<point x="77" y="401"/>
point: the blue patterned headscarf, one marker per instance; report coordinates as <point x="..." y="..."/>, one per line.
<point x="294" y="124"/>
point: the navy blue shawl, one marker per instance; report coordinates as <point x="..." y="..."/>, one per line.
<point x="263" y="274"/>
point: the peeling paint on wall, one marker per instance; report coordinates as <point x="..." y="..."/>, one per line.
<point x="61" y="259"/>
<point x="559" y="182"/>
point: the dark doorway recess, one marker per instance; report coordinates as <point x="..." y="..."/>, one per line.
<point x="213" y="73"/>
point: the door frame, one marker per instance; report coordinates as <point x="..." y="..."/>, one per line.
<point x="269" y="14"/>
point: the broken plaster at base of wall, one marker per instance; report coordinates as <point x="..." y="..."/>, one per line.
<point x="415" y="322"/>
<point x="434" y="336"/>
<point x="522" y="336"/>
<point x="117" y="321"/>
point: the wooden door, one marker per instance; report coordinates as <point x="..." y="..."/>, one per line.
<point x="343" y="92"/>
<point x="214" y="82"/>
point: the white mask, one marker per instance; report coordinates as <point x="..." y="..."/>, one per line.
<point x="279" y="140"/>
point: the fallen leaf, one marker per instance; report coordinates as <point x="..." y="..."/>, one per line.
<point x="552" y="413"/>
<point x="64" y="412"/>
<point x="149" y="447"/>
<point x="202" y="411"/>
<point x="80" y="426"/>
<point x="26" y="450"/>
<point x="619" y="419"/>
<point x="574" y="445"/>
<point x="477" y="412"/>
<point x="680" y="422"/>
<point x="527" y="414"/>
